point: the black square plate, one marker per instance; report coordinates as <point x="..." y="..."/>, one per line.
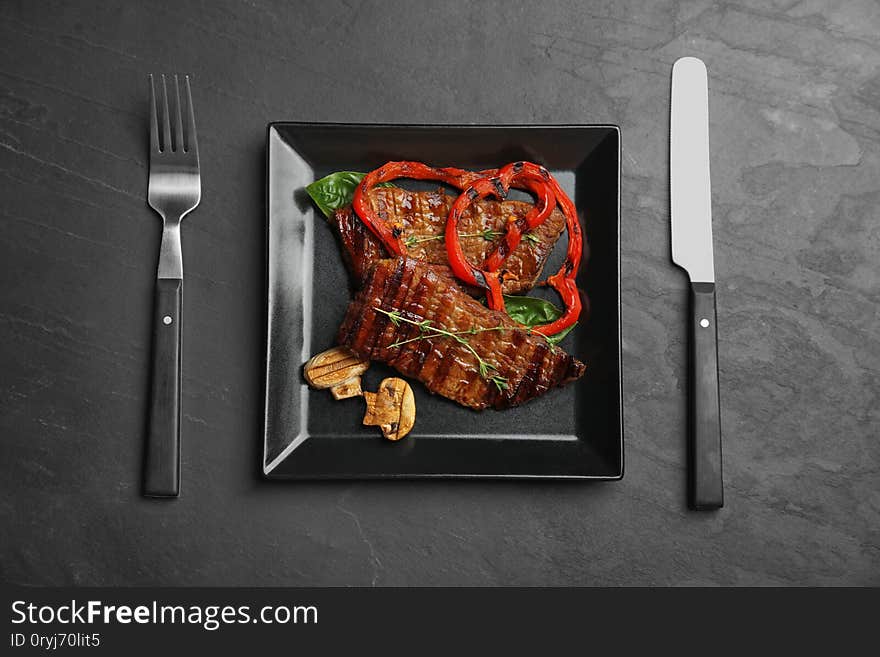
<point x="572" y="432"/>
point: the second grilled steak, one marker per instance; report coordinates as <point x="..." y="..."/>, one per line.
<point x="407" y="300"/>
<point x="423" y="216"/>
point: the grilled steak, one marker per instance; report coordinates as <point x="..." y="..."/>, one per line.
<point x="525" y="365"/>
<point x="423" y="216"/>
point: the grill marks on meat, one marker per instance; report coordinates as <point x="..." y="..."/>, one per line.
<point x="420" y="291"/>
<point x="360" y="248"/>
<point x="422" y="215"/>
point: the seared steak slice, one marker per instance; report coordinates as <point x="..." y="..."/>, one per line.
<point x="423" y="216"/>
<point x="525" y="364"/>
<point x="360" y="248"/>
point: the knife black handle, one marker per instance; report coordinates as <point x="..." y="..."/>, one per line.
<point x="162" y="464"/>
<point x="705" y="483"/>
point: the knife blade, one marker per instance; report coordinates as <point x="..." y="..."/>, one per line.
<point x="691" y="210"/>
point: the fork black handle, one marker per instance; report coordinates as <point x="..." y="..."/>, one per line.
<point x="162" y="464"/>
<point x="705" y="483"/>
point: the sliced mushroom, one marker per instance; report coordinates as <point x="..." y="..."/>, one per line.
<point x="337" y="369"/>
<point x="392" y="408"/>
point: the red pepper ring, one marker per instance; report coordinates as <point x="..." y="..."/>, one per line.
<point x="545" y="203"/>
<point x="455" y="177"/>
<point x="484" y="183"/>
<point x="464" y="270"/>
<point x="389" y="235"/>
<point x="563" y="281"/>
<point x="514" y="174"/>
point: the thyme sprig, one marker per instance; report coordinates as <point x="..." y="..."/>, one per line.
<point x="412" y="240"/>
<point x="488" y="235"/>
<point x="427" y="330"/>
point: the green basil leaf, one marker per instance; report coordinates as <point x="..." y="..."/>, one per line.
<point x="531" y="311"/>
<point x="336" y="190"/>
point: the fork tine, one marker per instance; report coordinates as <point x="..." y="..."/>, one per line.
<point x="154" y="121"/>
<point x="166" y="123"/>
<point x="178" y="122"/>
<point x="192" y="143"/>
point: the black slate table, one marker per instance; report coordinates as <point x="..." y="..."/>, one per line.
<point x="795" y="131"/>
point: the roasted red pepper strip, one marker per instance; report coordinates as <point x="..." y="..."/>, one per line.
<point x="390" y="235"/>
<point x="564" y="281"/>
<point x="513" y="174"/>
<point x="497" y="186"/>
<point x="470" y="274"/>
<point x="460" y="178"/>
<point x="539" y="180"/>
<point x="526" y="175"/>
<point x="545" y="202"/>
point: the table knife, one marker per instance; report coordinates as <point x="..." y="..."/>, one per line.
<point x="691" y="209"/>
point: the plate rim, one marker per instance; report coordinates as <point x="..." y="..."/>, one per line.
<point x="268" y="468"/>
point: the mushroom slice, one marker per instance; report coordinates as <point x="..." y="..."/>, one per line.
<point x="392" y="408"/>
<point x="338" y="369"/>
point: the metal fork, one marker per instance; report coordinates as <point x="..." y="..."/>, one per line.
<point x="174" y="191"/>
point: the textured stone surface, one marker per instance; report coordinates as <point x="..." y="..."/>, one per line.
<point x="795" y="130"/>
